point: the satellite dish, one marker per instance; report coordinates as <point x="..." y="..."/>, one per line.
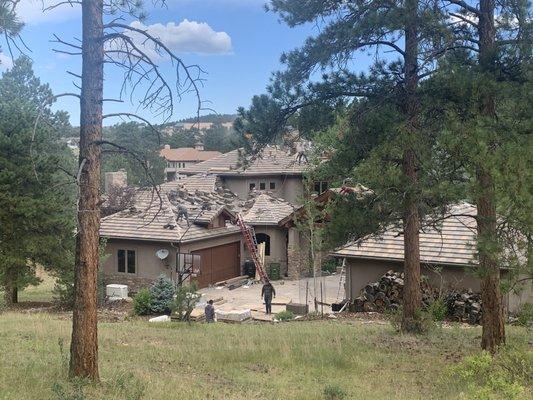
<point x="162" y="254"/>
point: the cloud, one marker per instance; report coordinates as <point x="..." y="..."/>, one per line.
<point x="31" y="11"/>
<point x="188" y="37"/>
<point x="5" y="61"/>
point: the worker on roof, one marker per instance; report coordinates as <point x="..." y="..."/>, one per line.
<point x="267" y="293"/>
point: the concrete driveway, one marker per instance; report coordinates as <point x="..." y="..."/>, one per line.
<point x="249" y="297"/>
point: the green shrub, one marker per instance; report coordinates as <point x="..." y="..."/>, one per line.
<point x="284" y="316"/>
<point x="525" y="315"/>
<point x="483" y="376"/>
<point x="438" y="310"/>
<point x="334" y="392"/>
<point x="3" y="304"/>
<point x="186" y="299"/>
<point x="162" y="293"/>
<point x="142" y="302"/>
<point x="422" y="323"/>
<point x="330" y="265"/>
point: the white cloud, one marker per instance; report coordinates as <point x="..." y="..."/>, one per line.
<point x="5" y="61"/>
<point x="31" y="11"/>
<point x="187" y="37"/>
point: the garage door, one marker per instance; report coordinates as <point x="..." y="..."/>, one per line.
<point x="219" y="263"/>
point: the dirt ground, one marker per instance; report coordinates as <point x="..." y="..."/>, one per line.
<point x="249" y="297"/>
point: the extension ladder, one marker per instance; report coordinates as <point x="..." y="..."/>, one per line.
<point x="342" y="279"/>
<point x="248" y="232"/>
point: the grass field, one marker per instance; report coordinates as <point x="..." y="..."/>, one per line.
<point x="299" y="360"/>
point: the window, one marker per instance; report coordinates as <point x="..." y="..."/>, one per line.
<point x="321" y="186"/>
<point x="262" y="186"/>
<point x="264" y="238"/>
<point x="126" y="261"/>
<point x="272" y="185"/>
<point x="252" y="186"/>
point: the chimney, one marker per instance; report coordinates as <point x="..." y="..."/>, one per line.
<point x="118" y="179"/>
<point x="167" y="147"/>
<point x="199" y="146"/>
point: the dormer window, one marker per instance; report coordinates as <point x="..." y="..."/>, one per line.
<point x="272" y="185"/>
<point x="252" y="186"/>
<point x="262" y="186"/>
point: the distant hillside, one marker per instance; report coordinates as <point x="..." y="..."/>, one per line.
<point x="213" y="118"/>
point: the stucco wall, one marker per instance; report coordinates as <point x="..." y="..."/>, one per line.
<point x="148" y="266"/>
<point x="289" y="188"/>
<point x="360" y="272"/>
<point x="278" y="246"/>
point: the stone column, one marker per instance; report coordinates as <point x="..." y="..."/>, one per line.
<point x="293" y="254"/>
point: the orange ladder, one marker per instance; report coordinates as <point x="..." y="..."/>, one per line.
<point x="248" y="232"/>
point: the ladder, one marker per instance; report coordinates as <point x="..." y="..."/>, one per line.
<point x="342" y="279"/>
<point x="248" y="232"/>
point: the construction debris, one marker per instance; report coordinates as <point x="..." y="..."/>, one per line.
<point x="234" y="315"/>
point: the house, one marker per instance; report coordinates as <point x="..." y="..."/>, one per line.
<point x="194" y="216"/>
<point x="183" y="157"/>
<point x="447" y="255"/>
<point x="274" y="169"/>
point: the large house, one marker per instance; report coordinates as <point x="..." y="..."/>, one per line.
<point x="196" y="215"/>
<point x="183" y="157"/>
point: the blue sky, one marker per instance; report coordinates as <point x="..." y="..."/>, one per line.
<point x="236" y="41"/>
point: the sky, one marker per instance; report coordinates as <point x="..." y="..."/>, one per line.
<point x="236" y="42"/>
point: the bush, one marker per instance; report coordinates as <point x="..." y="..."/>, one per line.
<point x="438" y="310"/>
<point x="3" y="304"/>
<point x="142" y="302"/>
<point x="162" y="293"/>
<point x="483" y="376"/>
<point x="525" y="315"/>
<point x="284" y="316"/>
<point x="186" y="299"/>
<point x="422" y="323"/>
<point x="334" y="392"/>
<point x="330" y="265"/>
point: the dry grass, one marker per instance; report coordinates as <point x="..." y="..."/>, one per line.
<point x="139" y="360"/>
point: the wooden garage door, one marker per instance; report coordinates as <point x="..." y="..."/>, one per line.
<point x="218" y="263"/>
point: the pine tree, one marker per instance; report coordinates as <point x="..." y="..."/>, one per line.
<point x="36" y="223"/>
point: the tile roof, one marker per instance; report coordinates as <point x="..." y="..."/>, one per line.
<point x="272" y="160"/>
<point x="267" y="210"/>
<point x="453" y="243"/>
<point x="202" y="182"/>
<point x="188" y="154"/>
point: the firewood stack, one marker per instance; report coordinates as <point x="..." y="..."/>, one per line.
<point x="387" y="292"/>
<point x="464" y="306"/>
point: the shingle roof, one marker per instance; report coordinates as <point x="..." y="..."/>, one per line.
<point x="453" y="243"/>
<point x="270" y="161"/>
<point x="202" y="182"/>
<point x="267" y="210"/>
<point x="154" y="219"/>
<point x="188" y="154"/>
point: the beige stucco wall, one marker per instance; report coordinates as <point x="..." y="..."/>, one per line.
<point x="289" y="188"/>
<point x="360" y="272"/>
<point x="148" y="266"/>
<point x="278" y="246"/>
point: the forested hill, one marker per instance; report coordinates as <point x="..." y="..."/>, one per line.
<point x="214" y="118"/>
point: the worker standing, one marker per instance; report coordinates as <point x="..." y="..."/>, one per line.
<point x="267" y="293"/>
<point x="209" y="312"/>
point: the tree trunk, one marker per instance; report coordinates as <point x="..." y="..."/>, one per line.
<point x="84" y="345"/>
<point x="492" y="318"/>
<point x="10" y="286"/>
<point x="411" y="217"/>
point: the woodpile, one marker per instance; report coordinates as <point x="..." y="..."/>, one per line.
<point x="387" y="292"/>
<point x="464" y="306"/>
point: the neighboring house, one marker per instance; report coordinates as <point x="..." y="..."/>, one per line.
<point x="447" y="255"/>
<point x="273" y="170"/>
<point x="183" y="157"/>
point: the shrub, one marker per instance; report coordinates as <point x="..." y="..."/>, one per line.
<point x="438" y="310"/>
<point x="3" y="304"/>
<point x="284" y="316"/>
<point x="186" y="299"/>
<point x="334" y="392"/>
<point x="525" y="315"/>
<point x="162" y="293"/>
<point x="142" y="302"/>
<point x="330" y="265"/>
<point x="422" y="323"/>
<point x="483" y="376"/>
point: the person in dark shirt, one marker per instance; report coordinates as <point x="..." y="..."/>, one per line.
<point x="209" y="312"/>
<point x="267" y="293"/>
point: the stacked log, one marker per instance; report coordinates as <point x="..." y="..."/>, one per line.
<point x="464" y="306"/>
<point x="387" y="292"/>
